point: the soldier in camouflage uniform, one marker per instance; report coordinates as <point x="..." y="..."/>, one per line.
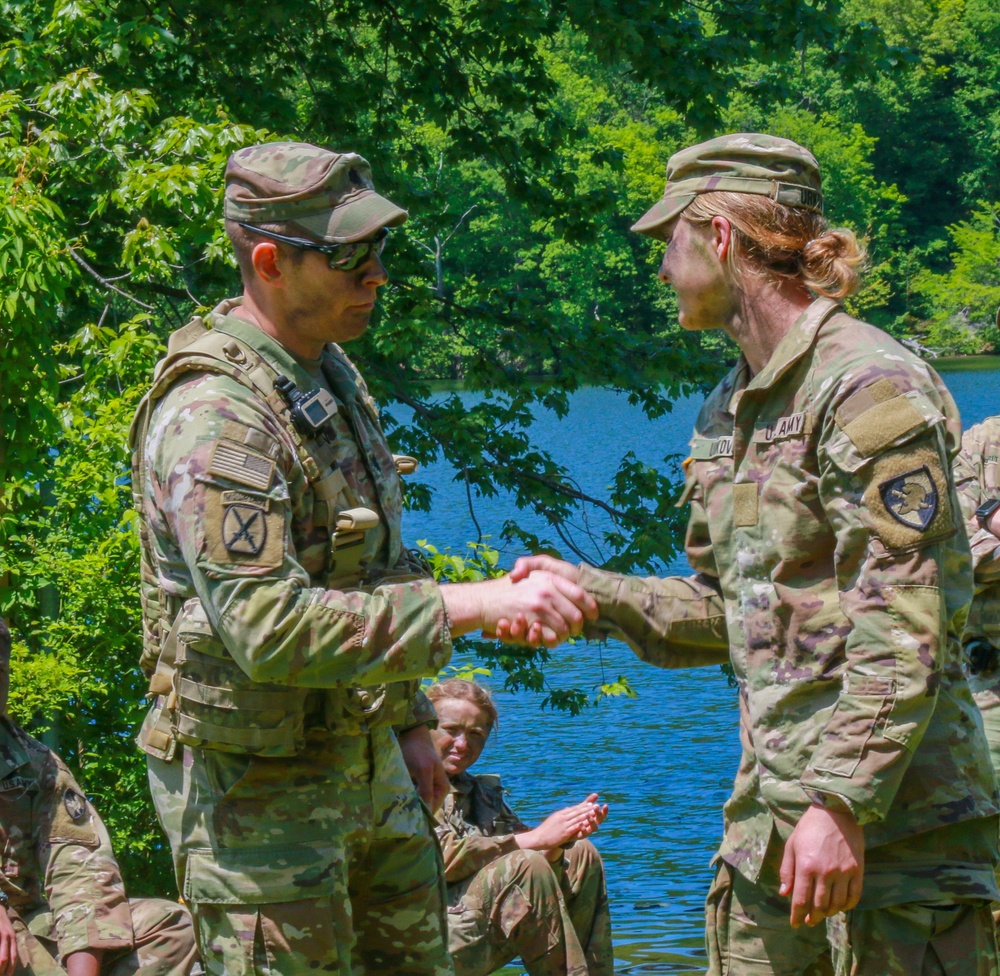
<point x="512" y="890"/>
<point x="828" y="557"/>
<point x="63" y="907"/>
<point x="977" y="480"/>
<point x="285" y="626"/>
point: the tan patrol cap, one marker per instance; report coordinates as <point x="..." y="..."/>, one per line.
<point x="745" y="162"/>
<point x="330" y="195"/>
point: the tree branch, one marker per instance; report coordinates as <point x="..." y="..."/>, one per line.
<point x="106" y="282"/>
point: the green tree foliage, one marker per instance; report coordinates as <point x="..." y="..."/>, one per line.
<point x="524" y="138"/>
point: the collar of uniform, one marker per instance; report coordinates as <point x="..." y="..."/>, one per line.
<point x="795" y="343"/>
<point x="258" y="340"/>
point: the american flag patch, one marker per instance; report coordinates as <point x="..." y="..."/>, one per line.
<point x="238" y="464"/>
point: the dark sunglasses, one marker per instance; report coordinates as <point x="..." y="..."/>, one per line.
<point x="343" y="257"/>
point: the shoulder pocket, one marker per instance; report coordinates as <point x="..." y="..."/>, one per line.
<point x="866" y="427"/>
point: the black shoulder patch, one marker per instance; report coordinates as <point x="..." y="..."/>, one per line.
<point x="911" y="498"/>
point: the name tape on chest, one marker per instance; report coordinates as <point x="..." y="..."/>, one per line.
<point x="705" y="448"/>
<point x="792" y="425"/>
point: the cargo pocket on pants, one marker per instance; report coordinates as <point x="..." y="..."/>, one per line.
<point x="718" y="907"/>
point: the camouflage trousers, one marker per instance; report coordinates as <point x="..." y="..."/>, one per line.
<point x="553" y="915"/>
<point x="322" y="863"/>
<point x="986" y="694"/>
<point x="164" y="943"/>
<point x="748" y="934"/>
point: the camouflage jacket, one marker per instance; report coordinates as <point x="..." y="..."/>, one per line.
<point x="475" y="825"/>
<point x="58" y="870"/>
<point x="825" y="528"/>
<point x="228" y="511"/>
<point x="977" y="479"/>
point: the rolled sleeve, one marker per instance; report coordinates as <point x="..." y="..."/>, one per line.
<point x="83" y="884"/>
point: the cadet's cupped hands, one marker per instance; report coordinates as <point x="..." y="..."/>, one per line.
<point x="569" y="823"/>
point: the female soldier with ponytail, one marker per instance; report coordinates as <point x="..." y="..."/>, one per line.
<point x="829" y="565"/>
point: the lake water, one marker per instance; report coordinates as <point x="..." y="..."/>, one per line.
<point x="664" y="761"/>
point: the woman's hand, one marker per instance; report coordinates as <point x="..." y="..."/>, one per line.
<point x="823" y="866"/>
<point x="570" y="823"/>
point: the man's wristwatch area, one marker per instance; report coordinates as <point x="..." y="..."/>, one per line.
<point x="985" y="511"/>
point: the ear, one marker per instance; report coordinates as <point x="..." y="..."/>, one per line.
<point x="722" y="237"/>
<point x="266" y="263"/>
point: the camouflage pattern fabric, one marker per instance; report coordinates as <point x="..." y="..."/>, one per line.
<point x="823" y="522"/>
<point x="505" y="902"/>
<point x="977" y="479"/>
<point x="748" y="935"/>
<point x="333" y="837"/>
<point x="742" y="162"/>
<point x="328" y="194"/>
<point x="60" y="874"/>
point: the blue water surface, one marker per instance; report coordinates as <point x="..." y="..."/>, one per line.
<point x="664" y="761"/>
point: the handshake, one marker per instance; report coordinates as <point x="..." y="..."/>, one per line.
<point x="539" y="602"/>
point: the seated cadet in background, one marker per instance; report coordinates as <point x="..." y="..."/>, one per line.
<point x="63" y="908"/>
<point x="513" y="890"/>
<point x="977" y="480"/>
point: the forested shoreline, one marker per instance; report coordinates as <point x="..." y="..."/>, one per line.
<point x="524" y="138"/>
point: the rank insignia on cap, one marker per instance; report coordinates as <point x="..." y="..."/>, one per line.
<point x="76" y="805"/>
<point x="911" y="498"/>
<point x="244" y="529"/>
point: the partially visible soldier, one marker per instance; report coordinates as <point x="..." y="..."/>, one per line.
<point x="63" y="908"/>
<point x="285" y="624"/>
<point x="977" y="479"/>
<point x="513" y="890"/>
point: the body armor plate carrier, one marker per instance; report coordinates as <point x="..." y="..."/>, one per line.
<point x="203" y="697"/>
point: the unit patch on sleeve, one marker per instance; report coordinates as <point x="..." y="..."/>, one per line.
<point x="911" y="498"/>
<point x="241" y="528"/>
<point x="76" y="805"/>
<point x="908" y="499"/>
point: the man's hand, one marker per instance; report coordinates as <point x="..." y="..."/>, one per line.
<point x="823" y="865"/>
<point x="517" y="629"/>
<point x="553" y="605"/>
<point x="570" y="823"/>
<point x="8" y="944"/>
<point x="993" y="525"/>
<point x="424" y="766"/>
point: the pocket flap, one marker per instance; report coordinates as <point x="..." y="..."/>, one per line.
<point x="261" y="875"/>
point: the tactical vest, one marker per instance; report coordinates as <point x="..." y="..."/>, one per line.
<point x="202" y="696"/>
<point x="489" y="812"/>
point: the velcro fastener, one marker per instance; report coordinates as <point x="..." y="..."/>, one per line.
<point x="882" y="424"/>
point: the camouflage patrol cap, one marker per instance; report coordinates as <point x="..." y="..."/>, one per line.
<point x="330" y="195"/>
<point x="745" y="162"/>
